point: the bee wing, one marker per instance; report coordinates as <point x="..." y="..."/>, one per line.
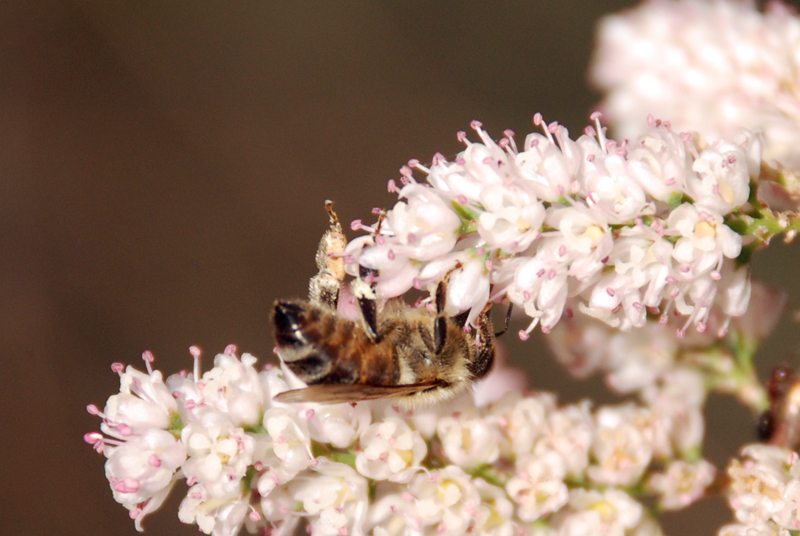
<point x="337" y="393"/>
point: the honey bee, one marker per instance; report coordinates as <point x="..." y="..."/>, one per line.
<point x="396" y="351"/>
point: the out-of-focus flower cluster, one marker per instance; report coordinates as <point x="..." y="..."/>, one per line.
<point x="764" y="492"/>
<point x="709" y="66"/>
<point x="519" y="464"/>
<point x="614" y="230"/>
<point x="664" y="369"/>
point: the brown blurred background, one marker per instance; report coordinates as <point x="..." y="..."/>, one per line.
<point x="163" y="167"/>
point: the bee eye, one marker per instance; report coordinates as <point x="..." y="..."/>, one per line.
<point x="439" y="333"/>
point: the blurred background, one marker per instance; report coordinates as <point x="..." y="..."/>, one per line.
<point x="163" y="167"/>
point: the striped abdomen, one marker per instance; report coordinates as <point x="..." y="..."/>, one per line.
<point x="319" y="346"/>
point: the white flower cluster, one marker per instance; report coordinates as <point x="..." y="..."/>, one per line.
<point x="713" y="66"/>
<point x="613" y="230"/>
<point x="517" y="465"/>
<point x="764" y="492"/>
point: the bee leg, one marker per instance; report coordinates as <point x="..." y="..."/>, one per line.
<point x="484" y="357"/>
<point x="507" y="322"/>
<point x="440" y="324"/>
<point x="323" y="288"/>
<point x="364" y="292"/>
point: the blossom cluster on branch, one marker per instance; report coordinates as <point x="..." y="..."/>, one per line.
<point x="518" y="464"/>
<point x="615" y="230"/>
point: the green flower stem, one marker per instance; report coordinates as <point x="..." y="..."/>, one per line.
<point x="347" y="457"/>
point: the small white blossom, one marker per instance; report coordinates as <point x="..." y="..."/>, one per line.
<point x="682" y="483"/>
<point x="538" y="488"/>
<point x="611" y="513"/>
<point x="219" y="454"/>
<point x="390" y="450"/>
<point x="469" y="439"/>
<point x="620" y="449"/>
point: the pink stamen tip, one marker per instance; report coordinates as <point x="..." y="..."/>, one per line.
<point x="685" y="136"/>
<point x="590" y="158"/>
<point x="313" y="463"/>
<point x="117" y="367"/>
<point x="509" y="133"/>
<point x="569" y="312"/>
<point x="537" y="119"/>
<point x="416" y="283"/>
<point x="405" y="171"/>
<point x="651" y="120"/>
<point x="254" y="516"/>
<point x="610" y="291"/>
<point x="475" y="125"/>
<point x="596" y="115"/>
<point x="148" y="356"/>
<point x="128" y="485"/>
<point x="189" y="404"/>
<point x="503" y="143"/>
<point x="195" y="351"/>
<point x="413" y="163"/>
<point x="462" y="199"/>
<point x="553" y="127"/>
<point x="92" y="409"/>
<point x="258" y="466"/>
<point x="380" y="240"/>
<point x="92" y="437"/>
<point x="411" y="238"/>
<point x="135" y="513"/>
<point x="355" y="225"/>
<point x="562" y="250"/>
<point x="310" y="413"/>
<point x="681" y="333"/>
<point x="391" y="186"/>
<point x="546" y="329"/>
<point x="524" y="335"/>
<point x="541" y="272"/>
<point x="461" y="135"/>
<point x="535" y="143"/>
<point x="590" y="131"/>
<point x="154" y="461"/>
<point x="124" y="429"/>
<point x="268" y="366"/>
<point x="715" y="275"/>
<point x="663" y="319"/>
<point x="488" y="160"/>
<point x="376" y="210"/>
<point x="526" y="295"/>
<point x="230" y="349"/>
<point x="722" y="332"/>
<point x="191" y="481"/>
<point x="701" y="327"/>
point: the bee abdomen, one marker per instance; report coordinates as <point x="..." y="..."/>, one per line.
<point x="288" y="321"/>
